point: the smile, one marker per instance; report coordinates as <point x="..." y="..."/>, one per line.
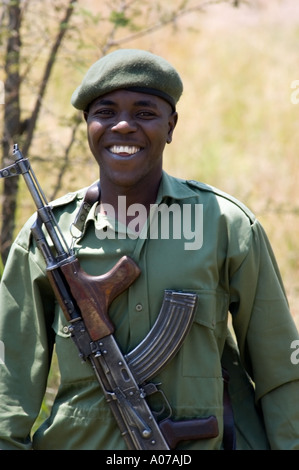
<point x="124" y="149"/>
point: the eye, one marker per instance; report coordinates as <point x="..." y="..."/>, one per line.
<point x="146" y="114"/>
<point x="105" y="112"/>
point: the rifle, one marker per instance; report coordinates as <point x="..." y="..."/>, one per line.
<point x="85" y="301"/>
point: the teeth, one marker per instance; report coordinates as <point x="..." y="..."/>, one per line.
<point x="124" y="149"/>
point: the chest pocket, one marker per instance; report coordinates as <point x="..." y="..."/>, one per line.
<point x="203" y="347"/>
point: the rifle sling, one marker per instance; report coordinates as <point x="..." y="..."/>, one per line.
<point x="92" y="195"/>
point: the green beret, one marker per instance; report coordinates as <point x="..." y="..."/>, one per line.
<point x="130" y="69"/>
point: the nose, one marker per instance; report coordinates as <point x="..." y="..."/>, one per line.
<point x="124" y="125"/>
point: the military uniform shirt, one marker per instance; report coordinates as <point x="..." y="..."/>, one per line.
<point x="229" y="264"/>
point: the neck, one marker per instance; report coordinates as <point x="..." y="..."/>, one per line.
<point x="122" y="198"/>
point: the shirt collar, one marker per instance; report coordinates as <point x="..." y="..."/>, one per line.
<point x="170" y="186"/>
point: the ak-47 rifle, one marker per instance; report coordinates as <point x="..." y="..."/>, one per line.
<point x="85" y="301"/>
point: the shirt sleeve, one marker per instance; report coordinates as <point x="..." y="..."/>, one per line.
<point x="281" y="412"/>
<point x="25" y="332"/>
<point x="265" y="330"/>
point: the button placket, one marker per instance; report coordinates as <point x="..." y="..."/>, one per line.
<point x="139" y="317"/>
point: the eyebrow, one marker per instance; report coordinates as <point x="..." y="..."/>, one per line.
<point x="143" y="103"/>
<point x="105" y="102"/>
<point x="146" y="103"/>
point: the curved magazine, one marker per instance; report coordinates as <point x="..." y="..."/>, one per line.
<point x="166" y="336"/>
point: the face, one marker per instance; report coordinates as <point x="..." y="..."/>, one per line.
<point x="127" y="133"/>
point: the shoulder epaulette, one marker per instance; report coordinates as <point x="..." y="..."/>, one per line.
<point x="224" y="195"/>
<point x="67" y="198"/>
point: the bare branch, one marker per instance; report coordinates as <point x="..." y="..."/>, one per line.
<point x="48" y="69"/>
<point x="170" y="19"/>
<point x="65" y="165"/>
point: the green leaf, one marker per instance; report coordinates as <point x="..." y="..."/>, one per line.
<point x="119" y="19"/>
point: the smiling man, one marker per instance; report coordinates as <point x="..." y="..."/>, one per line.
<point x="244" y="381"/>
<point x="130" y="116"/>
<point x="127" y="132"/>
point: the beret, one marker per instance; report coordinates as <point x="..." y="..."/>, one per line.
<point x="131" y="69"/>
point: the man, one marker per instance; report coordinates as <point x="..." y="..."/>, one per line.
<point x="183" y="235"/>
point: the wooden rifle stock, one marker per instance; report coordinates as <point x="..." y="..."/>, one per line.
<point x="94" y="294"/>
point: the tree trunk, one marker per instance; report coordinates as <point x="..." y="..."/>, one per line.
<point x="12" y="124"/>
<point x="13" y="127"/>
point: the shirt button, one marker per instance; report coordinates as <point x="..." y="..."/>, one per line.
<point x="65" y="329"/>
<point x="139" y="307"/>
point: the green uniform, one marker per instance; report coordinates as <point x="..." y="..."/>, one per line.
<point x="232" y="270"/>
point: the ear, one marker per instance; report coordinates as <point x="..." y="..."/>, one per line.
<point x="173" y="119"/>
